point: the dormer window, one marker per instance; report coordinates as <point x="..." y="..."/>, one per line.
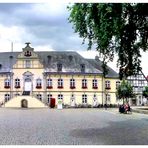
<point x="11" y="57"/>
<point x="70" y="58"/>
<point x="49" y="58"/>
<point x="82" y="67"/>
<point x="27" y="53"/>
<point x="59" y="67"/>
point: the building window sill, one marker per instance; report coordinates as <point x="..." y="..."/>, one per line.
<point x="49" y="87"/>
<point x="7" y="87"/>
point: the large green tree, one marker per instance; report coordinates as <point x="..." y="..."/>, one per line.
<point x="125" y="91"/>
<point x="113" y="29"/>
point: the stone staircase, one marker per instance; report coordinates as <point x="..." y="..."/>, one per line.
<point x="30" y="101"/>
<point x="26" y="93"/>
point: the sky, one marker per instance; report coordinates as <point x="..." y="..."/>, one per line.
<point x="46" y="26"/>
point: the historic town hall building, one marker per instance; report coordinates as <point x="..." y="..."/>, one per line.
<point x="32" y="79"/>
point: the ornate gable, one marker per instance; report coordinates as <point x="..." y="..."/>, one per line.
<point x="28" y="52"/>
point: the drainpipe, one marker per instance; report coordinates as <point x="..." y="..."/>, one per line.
<point x="102" y="89"/>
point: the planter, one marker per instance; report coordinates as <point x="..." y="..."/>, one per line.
<point x="49" y="87"/>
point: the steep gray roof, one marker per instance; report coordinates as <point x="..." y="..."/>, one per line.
<point x="7" y="59"/>
<point x="71" y="61"/>
<point x="98" y="64"/>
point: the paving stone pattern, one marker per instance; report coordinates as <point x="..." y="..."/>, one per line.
<point x="71" y="127"/>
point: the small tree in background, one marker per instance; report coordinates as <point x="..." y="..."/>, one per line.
<point x="145" y="92"/>
<point x="125" y="91"/>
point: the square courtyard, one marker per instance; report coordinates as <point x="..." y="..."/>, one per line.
<point x="72" y="127"/>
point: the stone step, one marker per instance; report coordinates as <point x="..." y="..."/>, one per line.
<point x="26" y="93"/>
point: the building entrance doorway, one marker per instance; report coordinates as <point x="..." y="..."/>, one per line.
<point x="72" y="100"/>
<point x="28" y="85"/>
<point x="24" y="103"/>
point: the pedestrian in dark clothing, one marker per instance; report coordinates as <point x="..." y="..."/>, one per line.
<point x="105" y="106"/>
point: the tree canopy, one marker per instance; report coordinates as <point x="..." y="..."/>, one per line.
<point x="113" y="29"/>
<point x="125" y="91"/>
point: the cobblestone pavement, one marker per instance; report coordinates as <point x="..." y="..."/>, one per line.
<point x="72" y="127"/>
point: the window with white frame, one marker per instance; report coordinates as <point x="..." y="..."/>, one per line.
<point x="117" y="84"/>
<point x="60" y="83"/>
<point x="7" y="83"/>
<point x="95" y="83"/>
<point x="49" y="97"/>
<point x="108" y="98"/>
<point x="60" y="97"/>
<point x="107" y="84"/>
<point x="17" y="83"/>
<point x="84" y="83"/>
<point x="38" y="82"/>
<point x="7" y="97"/>
<point x="95" y="97"/>
<point x="27" y="63"/>
<point x="72" y="83"/>
<point x="39" y="96"/>
<point x="84" y="98"/>
<point x="49" y="83"/>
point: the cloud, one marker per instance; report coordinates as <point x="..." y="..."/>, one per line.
<point x="44" y="24"/>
